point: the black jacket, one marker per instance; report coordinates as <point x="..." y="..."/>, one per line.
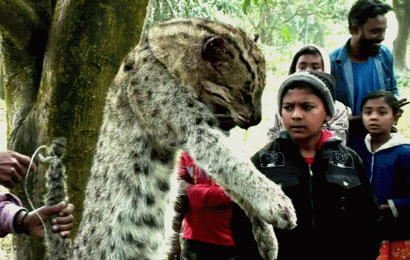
<point x="336" y="210"/>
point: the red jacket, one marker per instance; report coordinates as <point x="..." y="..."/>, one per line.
<point x="210" y="208"/>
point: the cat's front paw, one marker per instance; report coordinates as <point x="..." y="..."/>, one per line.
<point x="277" y="209"/>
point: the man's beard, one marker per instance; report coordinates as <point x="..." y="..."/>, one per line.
<point x="368" y="48"/>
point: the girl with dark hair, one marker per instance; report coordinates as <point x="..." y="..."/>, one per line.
<point x="387" y="160"/>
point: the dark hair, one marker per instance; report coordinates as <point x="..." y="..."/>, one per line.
<point x="388" y="96"/>
<point x="304" y="51"/>
<point x="363" y="10"/>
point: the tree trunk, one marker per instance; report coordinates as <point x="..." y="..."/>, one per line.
<point x="58" y="67"/>
<point x="402" y="11"/>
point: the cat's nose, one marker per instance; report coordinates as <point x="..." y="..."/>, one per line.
<point x="252" y="120"/>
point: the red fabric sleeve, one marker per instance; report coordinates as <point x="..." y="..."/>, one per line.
<point x="205" y="196"/>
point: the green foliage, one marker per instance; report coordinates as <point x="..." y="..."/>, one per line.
<point x="286" y="33"/>
<point x="403" y="80"/>
<point x="245" y="5"/>
<point x="279" y="23"/>
<point x="277" y="58"/>
<point x="304" y="21"/>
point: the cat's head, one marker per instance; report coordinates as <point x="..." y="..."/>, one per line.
<point x="219" y="62"/>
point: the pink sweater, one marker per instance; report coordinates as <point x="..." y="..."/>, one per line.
<point x="10" y="205"/>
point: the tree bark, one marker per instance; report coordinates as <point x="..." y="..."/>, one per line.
<point x="402" y="11"/>
<point x="1" y="75"/>
<point x="57" y="70"/>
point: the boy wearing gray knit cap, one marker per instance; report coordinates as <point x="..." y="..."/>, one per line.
<point x="325" y="180"/>
<point x="320" y="83"/>
<point x="305" y="104"/>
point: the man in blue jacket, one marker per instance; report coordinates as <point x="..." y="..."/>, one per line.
<point x="363" y="64"/>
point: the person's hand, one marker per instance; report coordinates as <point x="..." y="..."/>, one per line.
<point x="13" y="167"/>
<point x="64" y="222"/>
<point x="61" y="224"/>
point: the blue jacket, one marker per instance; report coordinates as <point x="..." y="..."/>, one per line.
<point x="341" y="67"/>
<point x="388" y="170"/>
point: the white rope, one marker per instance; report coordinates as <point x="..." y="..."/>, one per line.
<point x="25" y="184"/>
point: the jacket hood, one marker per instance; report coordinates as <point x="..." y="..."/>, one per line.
<point x="396" y="139"/>
<point x="323" y="53"/>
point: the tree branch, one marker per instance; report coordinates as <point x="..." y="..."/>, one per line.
<point x="18" y="20"/>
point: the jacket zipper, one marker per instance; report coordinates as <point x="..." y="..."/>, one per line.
<point x="311" y="193"/>
<point x="371" y="169"/>
<point x="310" y="170"/>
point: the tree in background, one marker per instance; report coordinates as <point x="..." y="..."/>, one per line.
<point x="280" y="24"/>
<point x="59" y="57"/>
<point x="285" y="22"/>
<point x="402" y="10"/>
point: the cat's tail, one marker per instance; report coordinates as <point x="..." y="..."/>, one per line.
<point x="57" y="248"/>
<point x="181" y="206"/>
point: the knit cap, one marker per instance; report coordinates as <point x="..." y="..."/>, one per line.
<point x="322" y="84"/>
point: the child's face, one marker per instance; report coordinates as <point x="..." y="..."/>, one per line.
<point x="378" y="116"/>
<point x="303" y="114"/>
<point x="311" y="62"/>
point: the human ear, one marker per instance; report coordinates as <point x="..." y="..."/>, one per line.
<point x="397" y="116"/>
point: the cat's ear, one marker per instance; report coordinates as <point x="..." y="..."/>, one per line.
<point x="216" y="50"/>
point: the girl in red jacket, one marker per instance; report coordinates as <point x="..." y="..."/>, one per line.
<point x="214" y="226"/>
